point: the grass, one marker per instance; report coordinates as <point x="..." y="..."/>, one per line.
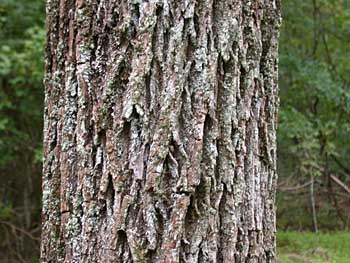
<point x="301" y="247"/>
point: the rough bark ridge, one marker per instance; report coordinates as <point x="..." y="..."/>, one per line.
<point x="160" y="131"/>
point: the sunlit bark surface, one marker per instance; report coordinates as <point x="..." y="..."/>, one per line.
<point x="160" y="131"/>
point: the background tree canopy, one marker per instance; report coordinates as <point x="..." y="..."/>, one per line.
<point x="22" y="34"/>
<point x="313" y="137"/>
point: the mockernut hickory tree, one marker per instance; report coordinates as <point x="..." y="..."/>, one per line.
<point x="160" y="131"/>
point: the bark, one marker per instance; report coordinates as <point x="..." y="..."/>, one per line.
<point x="160" y="131"/>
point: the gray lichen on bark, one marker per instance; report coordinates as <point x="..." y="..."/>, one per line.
<point x="160" y="131"/>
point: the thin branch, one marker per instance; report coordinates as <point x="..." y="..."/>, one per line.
<point x="15" y="228"/>
<point x="313" y="205"/>
<point x="295" y="188"/>
<point x="340" y="183"/>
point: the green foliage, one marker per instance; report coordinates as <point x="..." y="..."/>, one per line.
<point x="6" y="211"/>
<point x="22" y="36"/>
<point x="21" y="72"/>
<point x="315" y="93"/>
<point x="314" y="79"/>
<point x="18" y="16"/>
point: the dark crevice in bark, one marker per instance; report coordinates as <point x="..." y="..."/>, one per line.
<point x="122" y="245"/>
<point x="196" y="23"/>
<point x="110" y="194"/>
<point x="242" y="84"/>
<point x="135" y="13"/>
<point x="167" y="180"/>
<point x="147" y="89"/>
<point x="223" y="238"/>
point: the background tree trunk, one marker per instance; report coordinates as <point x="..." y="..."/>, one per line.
<point x="160" y="131"/>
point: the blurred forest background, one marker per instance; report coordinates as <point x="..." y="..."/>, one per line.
<point x="313" y="135"/>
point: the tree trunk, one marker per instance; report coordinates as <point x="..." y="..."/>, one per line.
<point x="160" y="131"/>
